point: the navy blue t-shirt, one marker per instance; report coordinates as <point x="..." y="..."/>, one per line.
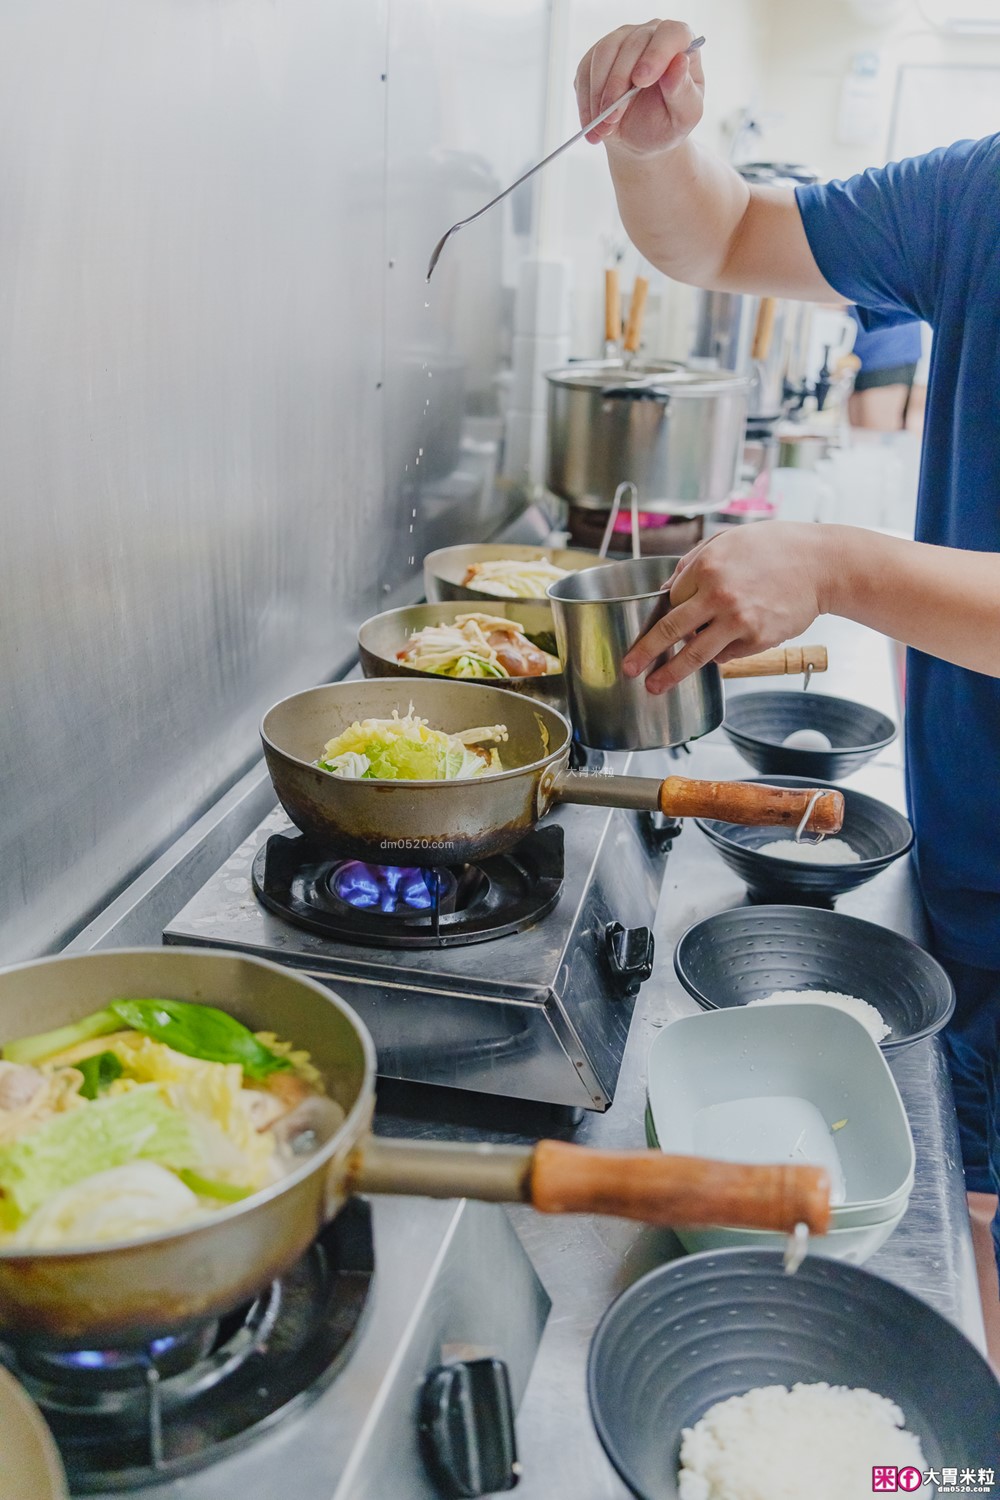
<point x="888" y="346"/>
<point x="921" y="238"/>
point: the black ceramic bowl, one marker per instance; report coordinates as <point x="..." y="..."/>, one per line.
<point x="874" y="830"/>
<point x="710" y="1326"/>
<point x="743" y="954"/>
<point x="757" y="723"/>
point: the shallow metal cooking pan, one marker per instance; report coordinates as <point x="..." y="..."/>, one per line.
<point x="445" y="569"/>
<point x="383" y="635"/>
<point x="458" y="822"/>
<point x="128" y="1294"/>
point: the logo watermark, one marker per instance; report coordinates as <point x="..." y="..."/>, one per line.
<point x="887" y="1479"/>
<point x="408" y="845"/>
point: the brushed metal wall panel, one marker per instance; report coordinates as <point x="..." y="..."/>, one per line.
<point x="467" y="83"/>
<point x="212" y="393"/>
<point x="191" y="341"/>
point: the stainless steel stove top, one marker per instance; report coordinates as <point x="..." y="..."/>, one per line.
<point x="452" y="1284"/>
<point x="542" y="1013"/>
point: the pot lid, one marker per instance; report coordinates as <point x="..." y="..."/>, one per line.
<point x="657" y="377"/>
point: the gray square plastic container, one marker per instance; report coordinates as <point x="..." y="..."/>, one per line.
<point x="809" y="1052"/>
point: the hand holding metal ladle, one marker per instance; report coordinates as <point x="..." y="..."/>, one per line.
<point x="605" y="114"/>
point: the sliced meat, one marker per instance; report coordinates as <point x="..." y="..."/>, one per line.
<point x="279" y="1095"/>
<point x="517" y="655"/>
<point x="18" y="1085"/>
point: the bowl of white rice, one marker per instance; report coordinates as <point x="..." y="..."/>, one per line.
<point x="775" y="866"/>
<point x="718" y="1377"/>
<point x="809" y="953"/>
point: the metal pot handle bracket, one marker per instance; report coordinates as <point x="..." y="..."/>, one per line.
<point x="616" y="506"/>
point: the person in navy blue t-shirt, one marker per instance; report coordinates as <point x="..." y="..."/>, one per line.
<point x="916" y="239"/>
<point x="888" y="359"/>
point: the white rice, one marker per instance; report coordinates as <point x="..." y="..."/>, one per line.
<point x="827" y="852"/>
<point x="819" y="1441"/>
<point x="869" y="1017"/>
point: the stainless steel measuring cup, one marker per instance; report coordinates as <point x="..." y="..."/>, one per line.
<point x="599" y="614"/>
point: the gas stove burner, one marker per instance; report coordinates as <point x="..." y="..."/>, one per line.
<point x="80" y="1379"/>
<point x="392" y="888"/>
<point x="124" y="1419"/>
<point x="390" y="906"/>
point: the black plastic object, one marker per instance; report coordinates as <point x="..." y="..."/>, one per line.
<point x="757" y="723"/>
<point x="874" y="830"/>
<point x="467" y="1428"/>
<point x="750" y="952"/>
<point x="630" y="953"/>
<point x="660" y="831"/>
<point x="711" y="1326"/>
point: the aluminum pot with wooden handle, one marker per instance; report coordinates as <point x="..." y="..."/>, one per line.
<point x="381" y="638"/>
<point x="384" y="636"/>
<point x="437" y="823"/>
<point x="130" y="1293"/>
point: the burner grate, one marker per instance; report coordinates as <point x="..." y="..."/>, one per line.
<point x="468" y="904"/>
<point x="125" y="1419"/>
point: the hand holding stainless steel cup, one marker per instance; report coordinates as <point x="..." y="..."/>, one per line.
<point x="600" y="614"/>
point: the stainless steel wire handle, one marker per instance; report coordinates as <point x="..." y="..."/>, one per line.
<point x="698" y="42"/>
<point x="804" y="821"/>
<point x="627" y="488"/>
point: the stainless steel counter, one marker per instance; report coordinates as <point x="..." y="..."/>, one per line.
<point x="585" y="1262"/>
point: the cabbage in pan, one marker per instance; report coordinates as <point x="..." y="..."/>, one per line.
<point x="145" y="1116"/>
<point x="405" y="748"/>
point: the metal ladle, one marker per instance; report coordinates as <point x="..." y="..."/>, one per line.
<point x="599" y="120"/>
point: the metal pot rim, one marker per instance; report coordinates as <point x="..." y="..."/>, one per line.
<point x="677" y="382"/>
<point x="568" y="599"/>
<point x="507" y="774"/>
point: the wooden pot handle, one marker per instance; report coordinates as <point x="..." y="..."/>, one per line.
<point x="678" y="1191"/>
<point x="636" y="313"/>
<point x="782" y="661"/>
<point x="741" y="802"/>
<point x="612" y="307"/>
<point x="764" y="331"/>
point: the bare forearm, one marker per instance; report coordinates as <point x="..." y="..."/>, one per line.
<point x="682" y="209"/>
<point x="688" y="212"/>
<point x="943" y="601"/>
<point x="695" y="219"/>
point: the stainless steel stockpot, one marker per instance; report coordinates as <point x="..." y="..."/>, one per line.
<point x="598" y="616"/>
<point x="676" y="434"/>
